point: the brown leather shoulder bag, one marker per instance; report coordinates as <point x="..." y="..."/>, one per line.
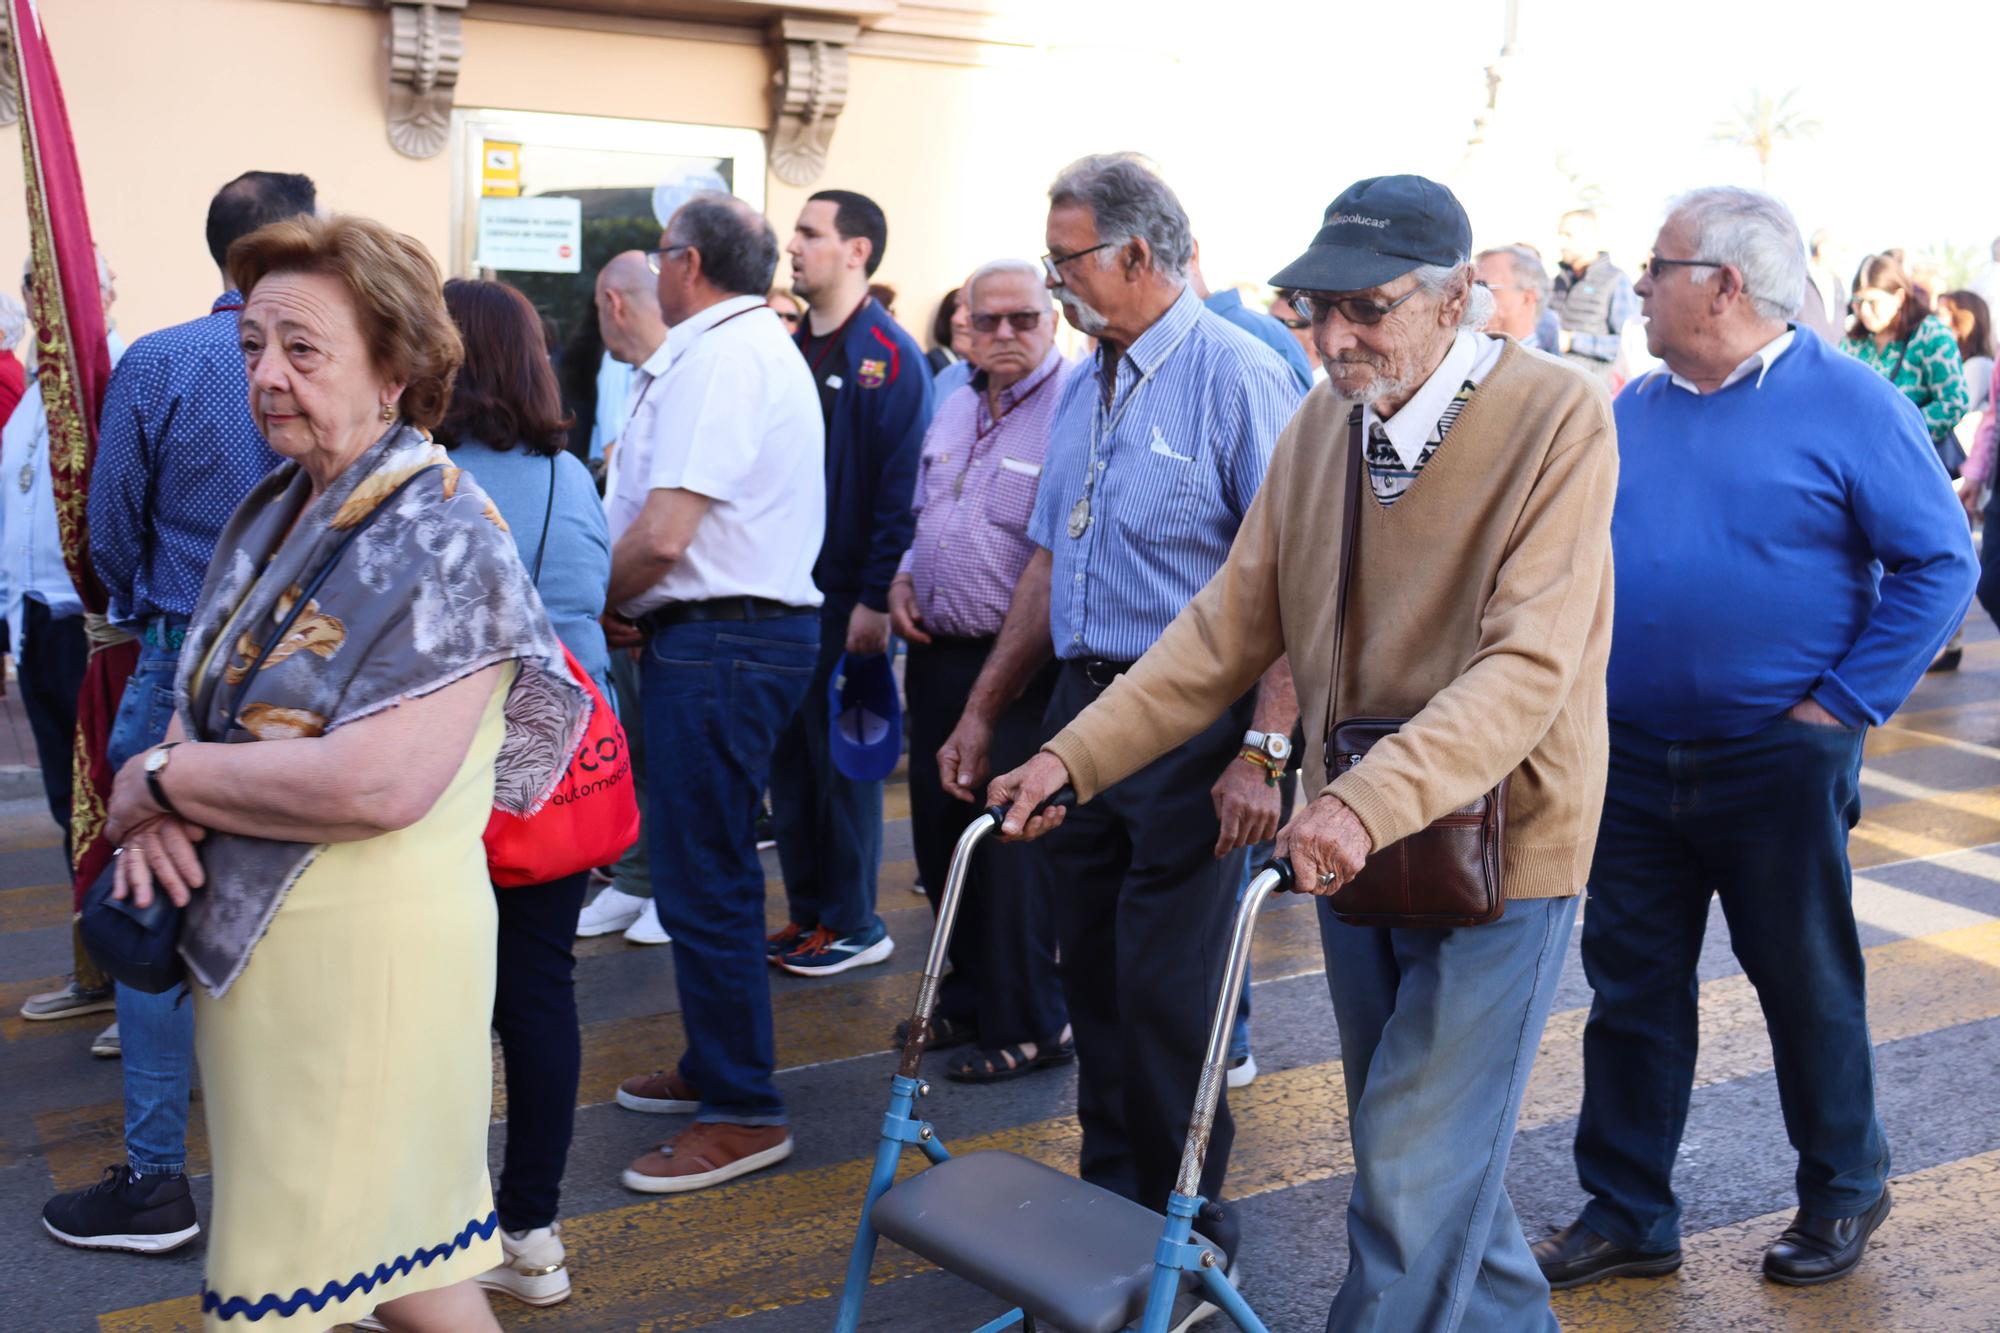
<point x="1448" y="874"/>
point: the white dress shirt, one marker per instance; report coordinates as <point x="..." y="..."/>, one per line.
<point x="1758" y="363"/>
<point x="727" y="409"/>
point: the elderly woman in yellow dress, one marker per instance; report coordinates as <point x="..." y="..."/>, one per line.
<point x="368" y="672"/>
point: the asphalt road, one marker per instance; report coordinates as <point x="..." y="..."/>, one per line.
<point x="766" y="1253"/>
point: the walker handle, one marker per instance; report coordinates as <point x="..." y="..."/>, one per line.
<point x="1064" y="795"/>
<point x="1288" y="882"/>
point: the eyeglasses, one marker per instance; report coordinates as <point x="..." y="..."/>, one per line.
<point x="1500" y="286"/>
<point x="1024" y="321"/>
<point x="1317" y="309"/>
<point x="654" y="258"/>
<point x="1052" y="262"/>
<point x="1656" y="266"/>
<point x="1294" y="324"/>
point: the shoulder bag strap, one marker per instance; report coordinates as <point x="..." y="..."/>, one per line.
<point x="1350" y="519"/>
<point x="547" y="514"/>
<point x="306" y="594"/>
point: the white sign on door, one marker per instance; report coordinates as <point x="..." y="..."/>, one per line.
<point x="531" y="235"/>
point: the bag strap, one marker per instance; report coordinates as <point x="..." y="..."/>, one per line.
<point x="1350" y="521"/>
<point x="306" y="594"/>
<point x="547" y="514"/>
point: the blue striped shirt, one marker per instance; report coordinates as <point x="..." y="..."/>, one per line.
<point x="1198" y="405"/>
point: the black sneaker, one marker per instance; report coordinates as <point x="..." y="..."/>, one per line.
<point x="125" y="1211"/>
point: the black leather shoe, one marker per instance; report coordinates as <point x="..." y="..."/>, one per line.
<point x="1576" y="1255"/>
<point x="1817" y="1249"/>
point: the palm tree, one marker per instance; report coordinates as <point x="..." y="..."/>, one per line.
<point x="1764" y="124"/>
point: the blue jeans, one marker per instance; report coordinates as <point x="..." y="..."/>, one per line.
<point x="633" y="873"/>
<point x="1254" y="860"/>
<point x="1761" y="823"/>
<point x="156" y="1032"/>
<point x="1438" y="1031"/>
<point x="828" y="826"/>
<point x="716" y="694"/>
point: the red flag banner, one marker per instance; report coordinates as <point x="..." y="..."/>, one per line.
<point x="73" y="365"/>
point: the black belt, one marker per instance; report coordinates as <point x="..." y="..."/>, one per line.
<point x="1099" y="671"/>
<point x="720" y="608"/>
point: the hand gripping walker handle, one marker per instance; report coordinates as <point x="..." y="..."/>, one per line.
<point x="1064" y="795"/>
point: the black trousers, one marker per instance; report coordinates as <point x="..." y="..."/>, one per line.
<point x="50" y="668"/>
<point x="1143" y="915"/>
<point x="534" y="1013"/>
<point x="1003" y="958"/>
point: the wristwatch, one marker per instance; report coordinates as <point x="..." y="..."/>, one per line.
<point x="156" y="764"/>
<point x="1276" y="744"/>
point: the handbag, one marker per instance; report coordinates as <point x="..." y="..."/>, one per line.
<point x="140" y="946"/>
<point x="1447" y="874"/>
<point x="592" y="817"/>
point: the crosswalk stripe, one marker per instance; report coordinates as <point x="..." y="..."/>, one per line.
<point x="36" y="907"/>
<point x="1929" y="1267"/>
<point x="1887" y="907"/>
<point x="685" y="1262"/>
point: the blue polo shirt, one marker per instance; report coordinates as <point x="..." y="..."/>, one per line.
<point x="1266" y="330"/>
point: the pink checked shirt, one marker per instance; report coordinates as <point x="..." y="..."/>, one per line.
<point x="976" y="488"/>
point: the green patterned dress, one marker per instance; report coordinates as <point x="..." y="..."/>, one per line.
<point x="1926" y="367"/>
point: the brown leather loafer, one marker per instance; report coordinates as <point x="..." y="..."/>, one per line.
<point x="663" y="1092"/>
<point x="708" y="1154"/>
<point x="1815" y="1249"/>
<point x="1576" y="1255"/>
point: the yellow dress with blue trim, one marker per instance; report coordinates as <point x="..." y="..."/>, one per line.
<point x="348" y="1076"/>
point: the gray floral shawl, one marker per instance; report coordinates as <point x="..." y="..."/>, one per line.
<point x="430" y="592"/>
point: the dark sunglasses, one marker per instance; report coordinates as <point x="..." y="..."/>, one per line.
<point x="1024" y="321"/>
<point x="1317" y="308"/>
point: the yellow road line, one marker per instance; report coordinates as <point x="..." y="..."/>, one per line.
<point x="688" y="1261"/>
<point x="36" y="907"/>
<point x="1930" y="1267"/>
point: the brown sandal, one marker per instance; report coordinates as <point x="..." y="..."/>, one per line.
<point x="997" y="1066"/>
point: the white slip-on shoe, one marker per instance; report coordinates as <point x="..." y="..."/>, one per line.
<point x="647" y="929"/>
<point x="610" y="911"/>
<point x="1242" y="1073"/>
<point x="534" y="1271"/>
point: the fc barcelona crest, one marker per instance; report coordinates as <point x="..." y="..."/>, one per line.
<point x="872" y="373"/>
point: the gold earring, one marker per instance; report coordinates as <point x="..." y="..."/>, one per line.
<point x="388" y="412"/>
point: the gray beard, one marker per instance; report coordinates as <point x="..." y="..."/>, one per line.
<point x="1379" y="387"/>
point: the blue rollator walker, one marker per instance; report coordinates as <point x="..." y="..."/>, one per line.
<point x="1072" y="1256"/>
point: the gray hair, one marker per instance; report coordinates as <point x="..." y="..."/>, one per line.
<point x="13" y="321"/>
<point x="1128" y="201"/>
<point x="1436" y="280"/>
<point x="1527" y="269"/>
<point x="739" y="251"/>
<point x="1019" y="268"/>
<point x="104" y="281"/>
<point x="1752" y="233"/>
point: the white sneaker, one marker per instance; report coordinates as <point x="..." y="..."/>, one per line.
<point x="610" y="911"/>
<point x="534" y="1271"/>
<point x="1242" y="1073"/>
<point x="105" y="1045"/>
<point x="647" y="929"/>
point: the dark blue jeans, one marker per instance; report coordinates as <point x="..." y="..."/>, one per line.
<point x="1760" y="822"/>
<point x="534" y="1015"/>
<point x="1989" y="559"/>
<point x="716" y="695"/>
<point x="828" y="826"/>
<point x="49" y="663"/>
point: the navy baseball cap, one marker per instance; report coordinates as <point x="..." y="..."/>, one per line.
<point x="1378" y="230"/>
<point x="865" y="727"/>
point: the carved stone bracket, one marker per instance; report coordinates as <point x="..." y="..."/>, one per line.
<point x="10" y="93"/>
<point x="426" y="44"/>
<point x="809" y="89"/>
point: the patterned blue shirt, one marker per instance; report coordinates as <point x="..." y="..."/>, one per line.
<point x="1180" y="454"/>
<point x="176" y="453"/>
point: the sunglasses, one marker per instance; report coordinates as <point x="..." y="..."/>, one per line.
<point x="1023" y="321"/>
<point x="1316" y="308"/>
<point x="789" y="316"/>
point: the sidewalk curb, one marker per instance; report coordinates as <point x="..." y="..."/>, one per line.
<point x="19" y="781"/>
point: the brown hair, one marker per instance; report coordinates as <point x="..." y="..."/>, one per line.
<point x="1884" y="272"/>
<point x="1978" y="340"/>
<point x="394" y="285"/>
<point x="506" y="391"/>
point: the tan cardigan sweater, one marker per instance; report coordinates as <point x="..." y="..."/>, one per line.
<point x="1481" y="611"/>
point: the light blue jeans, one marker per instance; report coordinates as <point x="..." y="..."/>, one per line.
<point x="156" y="1032"/>
<point x="1438" y="1031"/>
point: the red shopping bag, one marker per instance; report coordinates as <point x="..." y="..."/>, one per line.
<point x="590" y="819"/>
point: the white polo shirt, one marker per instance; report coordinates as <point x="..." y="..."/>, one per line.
<point x="727" y="409"/>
